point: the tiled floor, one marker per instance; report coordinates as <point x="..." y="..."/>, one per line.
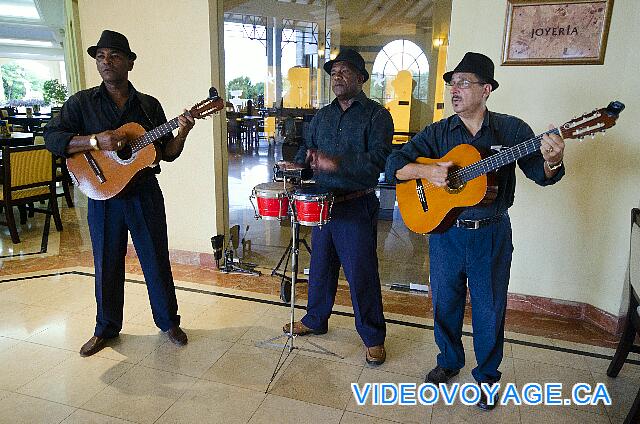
<point x="222" y="374"/>
<point x="47" y="310"/>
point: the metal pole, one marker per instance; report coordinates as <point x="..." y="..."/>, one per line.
<point x="295" y="229"/>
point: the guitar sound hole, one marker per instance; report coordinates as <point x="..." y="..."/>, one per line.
<point x="125" y="153"/>
<point x="455" y="184"/>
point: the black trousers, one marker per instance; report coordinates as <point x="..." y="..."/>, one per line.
<point x="140" y="212"/>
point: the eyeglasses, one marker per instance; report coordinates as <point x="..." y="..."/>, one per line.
<point x="463" y="84"/>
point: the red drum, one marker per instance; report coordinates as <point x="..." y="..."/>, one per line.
<point x="312" y="205"/>
<point x="272" y="199"/>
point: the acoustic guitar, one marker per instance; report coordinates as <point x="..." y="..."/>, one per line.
<point x="102" y="174"/>
<point x="426" y="208"/>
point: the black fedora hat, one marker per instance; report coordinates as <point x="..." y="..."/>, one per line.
<point x="112" y="40"/>
<point x="478" y="64"/>
<point x="351" y="56"/>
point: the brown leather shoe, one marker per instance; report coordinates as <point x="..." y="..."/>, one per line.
<point x="299" y="329"/>
<point x="376" y="355"/>
<point x="177" y="336"/>
<point x="94" y="345"/>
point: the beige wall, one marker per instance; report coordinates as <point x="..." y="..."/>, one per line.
<point x="571" y="240"/>
<point x="177" y="63"/>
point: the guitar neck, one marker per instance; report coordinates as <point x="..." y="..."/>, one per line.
<point x="153" y="135"/>
<point x="504" y="157"/>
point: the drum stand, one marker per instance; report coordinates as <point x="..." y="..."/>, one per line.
<point x="288" y="345"/>
<point x="285" y="281"/>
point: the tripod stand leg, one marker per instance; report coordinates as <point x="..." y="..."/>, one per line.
<point x="284" y="256"/>
<point x="279" y="364"/>
<point x="306" y="245"/>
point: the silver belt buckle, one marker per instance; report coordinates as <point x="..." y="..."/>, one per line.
<point x="466" y="224"/>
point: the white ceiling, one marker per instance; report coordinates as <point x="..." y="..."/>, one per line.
<point x="49" y="27"/>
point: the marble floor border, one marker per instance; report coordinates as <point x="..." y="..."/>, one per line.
<point x="340" y="313"/>
<point x="44" y="244"/>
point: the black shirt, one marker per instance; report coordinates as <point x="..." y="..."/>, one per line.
<point x="359" y="136"/>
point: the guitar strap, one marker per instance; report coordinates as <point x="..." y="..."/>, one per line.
<point x="494" y="131"/>
<point x="144" y="107"/>
<point x="492" y="183"/>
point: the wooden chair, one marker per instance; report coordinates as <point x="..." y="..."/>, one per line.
<point x="62" y="175"/>
<point x="64" y="178"/>
<point x="632" y="323"/>
<point x="234" y="135"/>
<point x="29" y="177"/>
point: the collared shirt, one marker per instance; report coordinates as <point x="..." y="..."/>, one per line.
<point x="360" y="137"/>
<point x="498" y="131"/>
<point x="92" y="111"/>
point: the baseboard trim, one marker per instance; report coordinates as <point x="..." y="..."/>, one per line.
<point x="183" y="257"/>
<point x="517" y="302"/>
<point x="566" y="309"/>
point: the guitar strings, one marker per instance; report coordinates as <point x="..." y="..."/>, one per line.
<point x="149" y="137"/>
<point x="464" y="174"/>
<point x="495" y="161"/>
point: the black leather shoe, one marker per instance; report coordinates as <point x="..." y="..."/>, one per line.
<point x="483" y="403"/>
<point x="94" y="345"/>
<point x="440" y="375"/>
<point x="177" y="336"/>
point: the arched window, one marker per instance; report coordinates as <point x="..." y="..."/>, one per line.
<point x="396" y="56"/>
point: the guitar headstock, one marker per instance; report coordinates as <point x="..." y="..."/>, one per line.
<point x="208" y="106"/>
<point x="591" y="123"/>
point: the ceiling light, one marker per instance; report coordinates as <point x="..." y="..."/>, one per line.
<point x="30" y="43"/>
<point x="19" y="11"/>
<point x="438" y="42"/>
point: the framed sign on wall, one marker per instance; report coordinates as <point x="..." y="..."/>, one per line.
<point x="552" y="32"/>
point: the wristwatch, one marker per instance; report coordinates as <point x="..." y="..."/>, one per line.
<point x="554" y="166"/>
<point x="94" y="142"/>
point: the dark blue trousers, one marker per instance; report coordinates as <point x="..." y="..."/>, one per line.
<point x="482" y="259"/>
<point x="140" y="212"/>
<point x="350" y="240"/>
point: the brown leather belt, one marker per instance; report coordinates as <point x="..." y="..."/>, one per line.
<point x="353" y="195"/>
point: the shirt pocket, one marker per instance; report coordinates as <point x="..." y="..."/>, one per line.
<point x="353" y="137"/>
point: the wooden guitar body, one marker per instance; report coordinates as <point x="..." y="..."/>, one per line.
<point x="102" y="174"/>
<point x="117" y="167"/>
<point x="426" y="208"/>
<point x="443" y="204"/>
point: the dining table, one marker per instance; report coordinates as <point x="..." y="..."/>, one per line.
<point x="16" y="139"/>
<point x="29" y="123"/>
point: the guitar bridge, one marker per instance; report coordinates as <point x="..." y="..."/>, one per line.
<point x="421" y="195"/>
<point x="95" y="168"/>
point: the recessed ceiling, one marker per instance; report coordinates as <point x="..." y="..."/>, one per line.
<point x="356" y="17"/>
<point x="32" y="29"/>
<point x="19" y="9"/>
